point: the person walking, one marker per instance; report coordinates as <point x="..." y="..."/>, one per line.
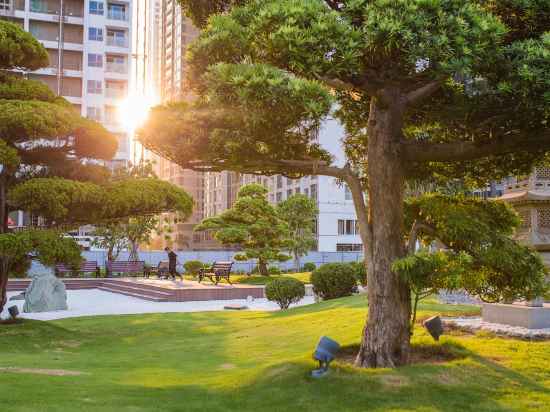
<point x="172" y="263"/>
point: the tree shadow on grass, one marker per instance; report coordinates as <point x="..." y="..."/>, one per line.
<point x="287" y="386"/>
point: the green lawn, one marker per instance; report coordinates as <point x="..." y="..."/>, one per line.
<point x="262" y="280"/>
<point x="252" y="361"/>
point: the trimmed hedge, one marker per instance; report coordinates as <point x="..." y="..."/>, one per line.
<point x="192" y="267"/>
<point x="309" y="267"/>
<point x="334" y="280"/>
<point x="274" y="270"/>
<point x="285" y="291"/>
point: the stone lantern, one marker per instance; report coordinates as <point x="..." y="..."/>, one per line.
<point x="530" y="197"/>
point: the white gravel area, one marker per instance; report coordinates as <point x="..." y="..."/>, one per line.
<point x="476" y="323"/>
<point x="93" y="302"/>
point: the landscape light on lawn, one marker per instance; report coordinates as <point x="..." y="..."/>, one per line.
<point x="434" y="327"/>
<point x="324" y="353"/>
<point x="13" y="311"/>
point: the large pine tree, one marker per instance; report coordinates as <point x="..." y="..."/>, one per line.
<point x="426" y="89"/>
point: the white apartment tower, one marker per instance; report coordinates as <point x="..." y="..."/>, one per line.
<point x="88" y="43"/>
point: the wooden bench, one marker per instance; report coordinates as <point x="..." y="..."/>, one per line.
<point x="161" y="271"/>
<point x="88" y="266"/>
<point x="218" y="271"/>
<point x="134" y="267"/>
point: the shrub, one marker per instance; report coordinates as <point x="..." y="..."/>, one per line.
<point x="359" y="271"/>
<point x="274" y="270"/>
<point x="285" y="291"/>
<point x="309" y="267"/>
<point x="334" y="280"/>
<point x="192" y="267"/>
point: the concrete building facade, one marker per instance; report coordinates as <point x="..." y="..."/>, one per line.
<point x="88" y="43"/>
<point x="175" y="32"/>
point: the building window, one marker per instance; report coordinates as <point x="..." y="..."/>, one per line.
<point x="95" y="33"/>
<point x="95" y="60"/>
<point x="96" y="7"/>
<point x="349" y="247"/>
<point x="347" y="227"/>
<point x="5" y="5"/>
<point x="289" y="193"/>
<point x="95" y="87"/>
<point x="93" y="113"/>
<point x="348" y="193"/>
<point x="116" y="12"/>
<point x="279" y="197"/>
<point x="297" y="191"/>
<point x="279" y="182"/>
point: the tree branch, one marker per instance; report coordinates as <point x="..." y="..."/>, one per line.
<point x="416" y="229"/>
<point x="460" y="151"/>
<point x="422" y="92"/>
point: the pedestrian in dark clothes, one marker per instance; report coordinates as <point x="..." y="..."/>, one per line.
<point x="172" y="263"/>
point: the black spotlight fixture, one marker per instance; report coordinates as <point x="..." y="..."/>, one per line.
<point x="13" y="311"/>
<point x="434" y="326"/>
<point x="324" y="353"/>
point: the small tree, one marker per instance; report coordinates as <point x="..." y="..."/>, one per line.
<point x="300" y="213"/>
<point x="480" y="255"/>
<point x="254" y="225"/>
<point x="112" y="237"/>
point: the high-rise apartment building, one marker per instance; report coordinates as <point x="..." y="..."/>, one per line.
<point x="175" y="32"/>
<point x="88" y="43"/>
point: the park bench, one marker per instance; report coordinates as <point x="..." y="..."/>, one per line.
<point x="88" y="266"/>
<point x="161" y="271"/>
<point x="218" y="271"/>
<point x="132" y="267"/>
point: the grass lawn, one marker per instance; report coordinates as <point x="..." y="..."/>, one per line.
<point x="252" y="361"/>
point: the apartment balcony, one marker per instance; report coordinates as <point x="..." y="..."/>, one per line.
<point x="111" y="67"/>
<point x="117" y="42"/>
<point x="118" y="15"/>
<point x="71" y="8"/>
<point x="115" y="93"/>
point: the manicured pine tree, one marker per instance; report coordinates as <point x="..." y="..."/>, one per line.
<point x="452" y="89"/>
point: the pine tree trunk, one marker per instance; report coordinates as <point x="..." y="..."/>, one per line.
<point x="262" y="267"/>
<point x="3" y="287"/>
<point x="386" y="338"/>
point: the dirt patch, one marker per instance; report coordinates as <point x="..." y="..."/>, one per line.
<point x="427" y="353"/>
<point x="49" y="372"/>
<point x="227" y="366"/>
<point x="394" y="381"/>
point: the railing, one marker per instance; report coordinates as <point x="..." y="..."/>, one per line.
<point x="114" y="14"/>
<point x="117" y="41"/>
<point x="116" y="67"/>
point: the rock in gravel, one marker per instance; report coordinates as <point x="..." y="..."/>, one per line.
<point x="46" y="293"/>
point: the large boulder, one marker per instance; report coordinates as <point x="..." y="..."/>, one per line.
<point x="46" y="293"/>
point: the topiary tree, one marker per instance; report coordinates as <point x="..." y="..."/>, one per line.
<point x="481" y="256"/>
<point x="67" y="204"/>
<point x="253" y="224"/>
<point x="300" y="214"/>
<point x="285" y="291"/>
<point x="449" y="88"/>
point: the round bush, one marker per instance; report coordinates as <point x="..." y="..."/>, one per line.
<point x="285" y="291"/>
<point x="334" y="280"/>
<point x="192" y="267"/>
<point x="309" y="267"/>
<point x="274" y="270"/>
